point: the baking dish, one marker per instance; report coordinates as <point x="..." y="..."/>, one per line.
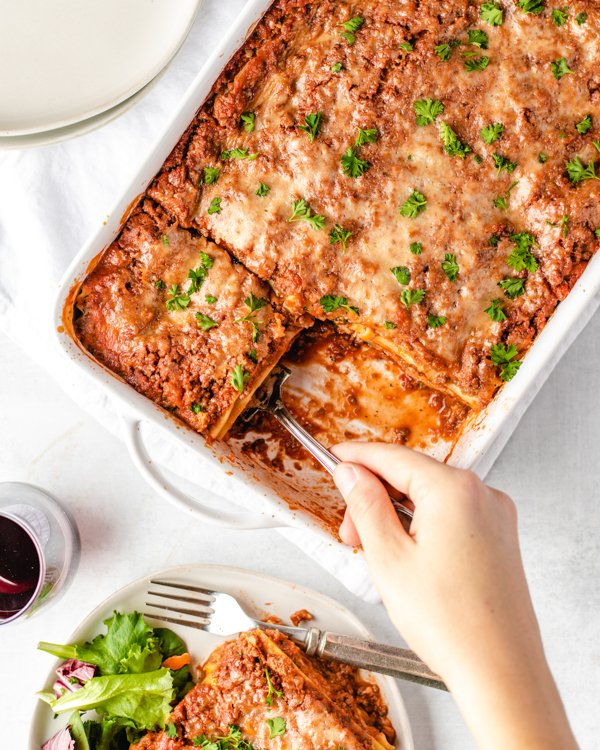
<point x="477" y="448"/>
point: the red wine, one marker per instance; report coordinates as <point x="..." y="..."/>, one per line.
<point x="19" y="568"/>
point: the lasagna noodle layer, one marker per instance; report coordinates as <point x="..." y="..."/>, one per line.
<point x="198" y="351"/>
<point x="325" y="705"/>
<point x="299" y="64"/>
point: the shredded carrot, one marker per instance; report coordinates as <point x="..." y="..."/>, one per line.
<point x="176" y="662"/>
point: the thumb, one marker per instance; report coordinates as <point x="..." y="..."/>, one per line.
<point x="370" y="509"/>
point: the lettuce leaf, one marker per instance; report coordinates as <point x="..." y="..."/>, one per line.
<point x="143" y="699"/>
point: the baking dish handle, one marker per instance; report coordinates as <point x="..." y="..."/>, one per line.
<point x="155" y="478"/>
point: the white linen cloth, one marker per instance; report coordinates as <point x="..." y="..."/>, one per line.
<point x="52" y="198"/>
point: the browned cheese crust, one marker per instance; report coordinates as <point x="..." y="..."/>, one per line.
<point x="325" y="705"/>
<point x="538" y="81"/>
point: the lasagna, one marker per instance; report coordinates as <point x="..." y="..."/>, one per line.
<point x="261" y="691"/>
<point x="421" y="174"/>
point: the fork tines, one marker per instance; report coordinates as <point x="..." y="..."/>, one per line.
<point x="201" y="610"/>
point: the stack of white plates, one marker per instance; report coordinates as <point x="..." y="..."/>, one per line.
<point x="69" y="66"/>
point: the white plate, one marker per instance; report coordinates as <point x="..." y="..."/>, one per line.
<point x="260" y="594"/>
<point x="68" y="60"/>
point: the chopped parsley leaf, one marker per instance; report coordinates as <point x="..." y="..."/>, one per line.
<point x="401" y="274"/>
<point x="248" y="121"/>
<point x="272" y="691"/>
<point x="370" y="135"/>
<point x="262" y="190"/>
<point x="501" y="201"/>
<point x="559" y="16"/>
<point x="254" y="303"/>
<point x="436" y="321"/>
<point x="178" y="300"/>
<point x="165" y="240"/>
<point x="578" y="171"/>
<point x="490" y="133"/>
<point x="239" y="378"/>
<point x="196" y="276"/>
<point x="542" y="157"/>
<point x="312" y="126"/>
<point x="416" y="248"/>
<point x="452" y="144"/>
<point x="477" y="63"/>
<point x="450" y="266"/>
<point x="426" y="110"/>
<point x="413" y="205"/>
<point x="406" y="46"/>
<point x="171" y="731"/>
<point x="301" y="211"/>
<point x="596" y="145"/>
<point x="337" y="67"/>
<point x="238" y="153"/>
<point x="513" y="288"/>
<point x="443" y="51"/>
<point x="351" y="27"/>
<point x="252" y="356"/>
<point x="353" y="165"/>
<point x="504" y="358"/>
<point x="215" y="206"/>
<point x="521" y="258"/>
<point x="534" y="7"/>
<point x="389" y="325"/>
<point x="495" y="311"/>
<point x="276" y="726"/>
<point x="210" y="299"/>
<point x="205" y="322"/>
<point x="560" y="68"/>
<point x="492" y="13"/>
<point x="503" y="163"/>
<point x="581" y="18"/>
<point x="585" y="125"/>
<point x="197" y="408"/>
<point x="160" y="284"/>
<point x="339" y="235"/>
<point x="330" y="304"/>
<point x="494" y="240"/>
<point x="211" y="175"/>
<point x="478" y="38"/>
<point x="412" y="297"/>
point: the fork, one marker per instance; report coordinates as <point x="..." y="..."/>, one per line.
<point x="221" y="614"/>
<point x="269" y="398"/>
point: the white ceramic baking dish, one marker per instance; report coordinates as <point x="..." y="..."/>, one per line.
<point x="477" y="449"/>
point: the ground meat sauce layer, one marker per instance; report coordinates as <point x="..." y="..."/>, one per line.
<point x="420" y="173"/>
<point x="325" y="705"/>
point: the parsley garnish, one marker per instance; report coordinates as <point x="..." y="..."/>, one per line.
<point x="239" y="378"/>
<point x="435" y="321"/>
<point x="450" y="266"/>
<point x="301" y="211"/>
<point x="252" y="356"/>
<point x="248" y="121"/>
<point x="494" y="240"/>
<point x="578" y="171"/>
<point x="215" y="206"/>
<point x="238" y="153"/>
<point x="490" y="133"/>
<point x="165" y="240"/>
<point x="353" y="165"/>
<point x="233" y="741"/>
<point x="312" y="125"/>
<point x="444" y="51"/>
<point x="171" y="731"/>
<point x="504" y="358"/>
<point x="581" y="18"/>
<point x="401" y="274"/>
<point x="336" y="67"/>
<point x="211" y="175"/>
<point x="559" y="16"/>
<point x="178" y="300"/>
<point x="503" y="163"/>
<point x="330" y="304"/>
<point x="160" y="284"/>
<point x="416" y="248"/>
<point x="410" y="297"/>
<point x="339" y="234"/>
<point x="596" y="145"/>
<point x="350" y="28"/>
<point x="197" y="276"/>
<point x="501" y="201"/>
<point x="560" y="68"/>
<point x="563" y="224"/>
<point x="276" y="726"/>
<point x="389" y="325"/>
<point x="197" y="408"/>
<point x="521" y="257"/>
<point x="210" y="299"/>
<point x="542" y="157"/>
<point x="453" y="145"/>
<point x="254" y="303"/>
<point x="531" y="6"/>
<point x="495" y="311"/>
<point x="513" y="288"/>
<point x="262" y="190"/>
<point x="426" y="110"/>
<point x="370" y="135"/>
<point x="406" y="46"/>
<point x="478" y="38"/>
<point x="477" y="63"/>
<point x="492" y="14"/>
<point x="585" y="125"/>
<point x="272" y="691"/>
<point x="205" y="322"/>
<point x="413" y="205"/>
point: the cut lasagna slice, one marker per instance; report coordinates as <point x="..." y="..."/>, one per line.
<point x="179" y="320"/>
<point x="261" y="691"/>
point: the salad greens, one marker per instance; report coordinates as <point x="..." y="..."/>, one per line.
<point x="130" y="677"/>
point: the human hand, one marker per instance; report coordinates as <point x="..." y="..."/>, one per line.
<point x="455" y="588"/>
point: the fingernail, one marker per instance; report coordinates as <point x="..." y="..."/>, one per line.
<point x="345" y="477"/>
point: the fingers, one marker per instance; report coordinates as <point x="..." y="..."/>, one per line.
<point x="373" y="520"/>
<point x="413" y="473"/>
